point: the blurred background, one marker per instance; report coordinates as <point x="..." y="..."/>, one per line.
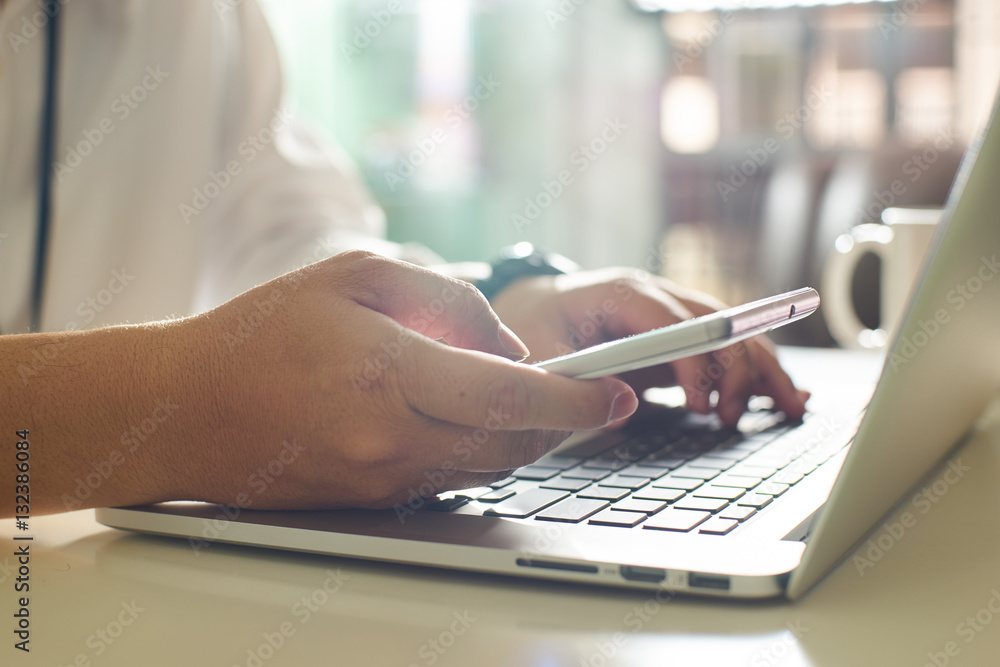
<point x="725" y="144"/>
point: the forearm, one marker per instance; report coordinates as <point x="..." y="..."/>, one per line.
<point x="99" y="407"/>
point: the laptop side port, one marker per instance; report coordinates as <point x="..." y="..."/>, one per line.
<point x="713" y="581"/>
<point x="556" y="565"/>
<point x="651" y="575"/>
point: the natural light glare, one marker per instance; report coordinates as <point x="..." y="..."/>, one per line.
<point x="689" y="115"/>
<point x="710" y="5"/>
<point x="924" y="103"/>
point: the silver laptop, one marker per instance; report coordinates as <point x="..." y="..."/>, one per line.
<point x="676" y="502"/>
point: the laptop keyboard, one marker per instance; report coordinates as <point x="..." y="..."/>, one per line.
<point x="673" y="471"/>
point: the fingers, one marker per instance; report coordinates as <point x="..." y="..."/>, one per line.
<point x="652" y="308"/>
<point x="735" y="372"/>
<point x="735" y="382"/>
<point x="772" y="380"/>
<point x="429" y="303"/>
<point x="467" y="387"/>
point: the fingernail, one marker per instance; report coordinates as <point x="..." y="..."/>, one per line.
<point x="624" y="405"/>
<point x="515" y="348"/>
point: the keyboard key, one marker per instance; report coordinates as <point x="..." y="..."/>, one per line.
<point x="675" y="519"/>
<point x="495" y="496"/>
<point x="637" y="505"/>
<point x="566" y="484"/>
<point x="734" y="455"/>
<point x="695" y="472"/>
<point x="725" y="492"/>
<point x="703" y="504"/>
<point x="571" y="510"/>
<point x="665" y="495"/>
<point x="535" y="473"/>
<point x="670" y="461"/>
<point x="559" y="461"/>
<point x="713" y="462"/>
<point x="622" y="482"/>
<point x="647" y="471"/>
<point x="631" y="450"/>
<point x="447" y="504"/>
<point x="671" y="482"/>
<point x="786" y="477"/>
<point x="586" y="473"/>
<point x="771" y="488"/>
<point x="717" y="526"/>
<point x="603" y="493"/>
<point x="739" y="481"/>
<point x="605" y="464"/>
<point x="738" y="513"/>
<point x="594" y="446"/>
<point x="611" y="517"/>
<point x="748" y="446"/>
<point x="776" y="461"/>
<point x="753" y="471"/>
<point x="499" y="484"/>
<point x="525" y="504"/>
<point x="755" y="500"/>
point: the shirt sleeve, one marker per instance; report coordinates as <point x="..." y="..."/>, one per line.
<point x="291" y="196"/>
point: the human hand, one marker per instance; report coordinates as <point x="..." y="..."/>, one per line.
<point x="555" y="315"/>
<point x="388" y="378"/>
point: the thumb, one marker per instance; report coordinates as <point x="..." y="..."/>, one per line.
<point x="434" y="305"/>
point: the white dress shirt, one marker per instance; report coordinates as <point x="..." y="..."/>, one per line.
<point x="179" y="180"/>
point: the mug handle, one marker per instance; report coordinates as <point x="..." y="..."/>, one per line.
<point x="838" y="306"/>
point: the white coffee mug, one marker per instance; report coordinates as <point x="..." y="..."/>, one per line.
<point x="901" y="243"/>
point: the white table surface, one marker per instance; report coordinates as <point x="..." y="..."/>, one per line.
<point x="105" y="597"/>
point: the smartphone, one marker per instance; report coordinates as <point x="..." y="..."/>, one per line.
<point x="684" y="339"/>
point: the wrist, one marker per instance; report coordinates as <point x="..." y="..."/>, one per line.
<point x="522" y="261"/>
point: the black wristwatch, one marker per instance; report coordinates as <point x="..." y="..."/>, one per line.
<point x="521" y="261"/>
